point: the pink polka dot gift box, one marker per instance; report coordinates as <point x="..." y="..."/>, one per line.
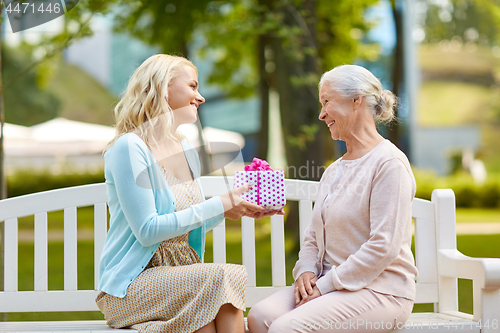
<point x="268" y="188"/>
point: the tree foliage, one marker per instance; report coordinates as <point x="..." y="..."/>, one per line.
<point x="232" y="30"/>
<point x="476" y="21"/>
<point x="28" y="97"/>
<point x="26" y="76"/>
<point x="26" y="102"/>
<point x="245" y="38"/>
<point x="169" y="25"/>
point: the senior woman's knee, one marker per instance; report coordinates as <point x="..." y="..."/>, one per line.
<point x="284" y="324"/>
<point x="257" y="318"/>
<point x="261" y="316"/>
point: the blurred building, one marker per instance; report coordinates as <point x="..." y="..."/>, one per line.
<point x="59" y="143"/>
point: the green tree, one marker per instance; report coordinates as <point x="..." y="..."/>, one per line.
<point x="22" y="98"/>
<point x="76" y="26"/>
<point x="27" y="98"/>
<point x="260" y="45"/>
<point x="476" y="21"/>
<point x="169" y="25"/>
<point x="290" y="43"/>
<point x="26" y="101"/>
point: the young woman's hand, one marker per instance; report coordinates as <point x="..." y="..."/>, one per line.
<point x="305" y="288"/>
<point x="235" y="207"/>
<point x="269" y="213"/>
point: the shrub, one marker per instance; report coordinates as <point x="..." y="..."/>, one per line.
<point x="467" y="193"/>
<point x="30" y="181"/>
<point x="490" y="195"/>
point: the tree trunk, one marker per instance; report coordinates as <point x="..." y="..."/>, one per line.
<point x="3" y="187"/>
<point x="299" y="101"/>
<point x="299" y="106"/>
<point x="263" y="142"/>
<point x="394" y="130"/>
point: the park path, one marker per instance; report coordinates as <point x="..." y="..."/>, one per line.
<point x="476" y="228"/>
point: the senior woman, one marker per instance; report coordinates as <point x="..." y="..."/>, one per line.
<point x="355" y="271"/>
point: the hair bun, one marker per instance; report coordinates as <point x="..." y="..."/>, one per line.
<point x="387" y="106"/>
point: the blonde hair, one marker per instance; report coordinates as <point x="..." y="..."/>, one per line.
<point x="353" y="81"/>
<point x="143" y="106"/>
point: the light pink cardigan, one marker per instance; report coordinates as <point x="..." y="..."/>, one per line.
<point x="360" y="235"/>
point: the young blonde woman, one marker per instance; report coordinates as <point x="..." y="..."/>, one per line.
<point x="151" y="274"/>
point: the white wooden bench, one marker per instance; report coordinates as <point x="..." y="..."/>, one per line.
<point x="439" y="262"/>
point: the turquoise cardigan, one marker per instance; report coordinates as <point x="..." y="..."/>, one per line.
<point x="141" y="207"/>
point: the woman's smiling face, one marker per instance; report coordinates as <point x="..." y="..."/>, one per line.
<point x="337" y="112"/>
<point x="183" y="96"/>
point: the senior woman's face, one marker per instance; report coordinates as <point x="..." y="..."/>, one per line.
<point x="336" y="112"/>
<point x="183" y="96"/>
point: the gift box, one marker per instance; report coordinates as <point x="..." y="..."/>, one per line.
<point x="268" y="186"/>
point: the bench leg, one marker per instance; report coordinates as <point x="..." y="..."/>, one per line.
<point x="490" y="316"/>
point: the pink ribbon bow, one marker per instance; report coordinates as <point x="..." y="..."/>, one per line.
<point x="258" y="165"/>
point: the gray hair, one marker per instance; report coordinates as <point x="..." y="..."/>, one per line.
<point x="352" y="81"/>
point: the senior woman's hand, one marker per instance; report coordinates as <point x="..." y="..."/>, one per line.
<point x="305" y="288"/>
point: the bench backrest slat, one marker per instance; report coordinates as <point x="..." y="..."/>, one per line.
<point x="423" y="212"/>
<point x="278" y="251"/>
<point x="425" y="251"/>
<point x="100" y="231"/>
<point x="41" y="252"/>
<point x="70" y="246"/>
<point x="427" y="293"/>
<point x="95" y="195"/>
<point x="11" y="255"/>
<point x="219" y="243"/>
<point x="305" y="217"/>
<point x="248" y="249"/>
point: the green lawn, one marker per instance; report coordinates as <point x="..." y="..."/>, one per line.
<point x="452" y="103"/>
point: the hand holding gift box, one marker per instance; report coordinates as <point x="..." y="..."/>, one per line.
<point x="268" y="186"/>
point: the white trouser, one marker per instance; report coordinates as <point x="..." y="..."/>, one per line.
<point x="337" y="311"/>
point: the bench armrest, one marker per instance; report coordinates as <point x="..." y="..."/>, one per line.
<point x="484" y="271"/>
<point x="485" y="276"/>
